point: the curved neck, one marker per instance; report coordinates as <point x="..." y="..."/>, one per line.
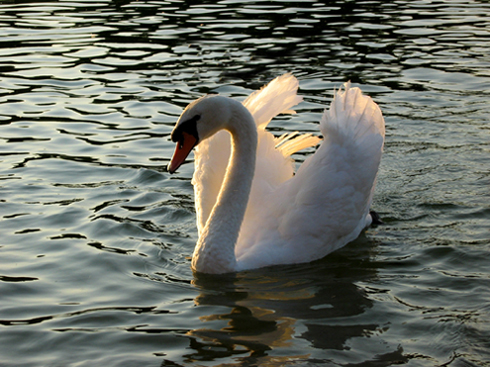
<point x="215" y="249"/>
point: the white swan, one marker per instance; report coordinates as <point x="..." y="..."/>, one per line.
<point x="252" y="211"/>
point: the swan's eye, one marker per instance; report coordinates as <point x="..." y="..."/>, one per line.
<point x="188" y="126"/>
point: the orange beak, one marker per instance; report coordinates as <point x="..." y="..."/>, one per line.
<point x="182" y="150"/>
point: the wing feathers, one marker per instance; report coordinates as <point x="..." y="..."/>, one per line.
<point x="291" y="143"/>
<point x="276" y="97"/>
<point x="352" y="113"/>
<point x="324" y="206"/>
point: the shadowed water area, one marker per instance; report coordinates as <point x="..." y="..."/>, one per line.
<point x="96" y="236"/>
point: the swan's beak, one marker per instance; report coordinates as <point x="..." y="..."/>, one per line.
<point x="182" y="150"/>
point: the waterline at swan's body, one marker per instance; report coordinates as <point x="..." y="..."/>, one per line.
<point x="252" y="210"/>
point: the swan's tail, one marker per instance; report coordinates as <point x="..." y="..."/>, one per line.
<point x="353" y="116"/>
<point x="279" y="96"/>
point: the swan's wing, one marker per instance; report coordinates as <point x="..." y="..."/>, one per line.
<point x="276" y="97"/>
<point x="273" y="166"/>
<point x="325" y="205"/>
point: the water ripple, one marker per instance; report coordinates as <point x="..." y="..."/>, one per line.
<point x="92" y="224"/>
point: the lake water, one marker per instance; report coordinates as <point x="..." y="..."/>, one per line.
<point x="96" y="236"/>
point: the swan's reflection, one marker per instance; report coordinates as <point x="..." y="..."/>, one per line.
<point x="304" y="309"/>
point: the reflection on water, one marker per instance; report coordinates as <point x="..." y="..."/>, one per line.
<point x="95" y="236"/>
<point x="263" y="308"/>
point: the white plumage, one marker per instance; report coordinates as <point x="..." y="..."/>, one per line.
<point x="264" y="214"/>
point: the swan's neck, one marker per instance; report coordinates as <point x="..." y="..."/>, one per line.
<point x="215" y="249"/>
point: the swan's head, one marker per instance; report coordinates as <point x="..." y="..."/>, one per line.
<point x="201" y="119"/>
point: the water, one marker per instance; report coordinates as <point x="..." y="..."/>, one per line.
<point x="96" y="236"/>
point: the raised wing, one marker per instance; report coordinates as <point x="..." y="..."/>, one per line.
<point x="326" y="204"/>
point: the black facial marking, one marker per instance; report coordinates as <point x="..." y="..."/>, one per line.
<point x="188" y="126"/>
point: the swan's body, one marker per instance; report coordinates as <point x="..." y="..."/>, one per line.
<point x="252" y="211"/>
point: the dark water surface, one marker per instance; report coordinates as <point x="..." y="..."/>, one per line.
<point x="95" y="236"/>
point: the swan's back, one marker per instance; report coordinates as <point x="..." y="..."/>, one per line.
<point x="326" y="204"/>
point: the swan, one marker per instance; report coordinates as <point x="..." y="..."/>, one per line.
<point x="252" y="210"/>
